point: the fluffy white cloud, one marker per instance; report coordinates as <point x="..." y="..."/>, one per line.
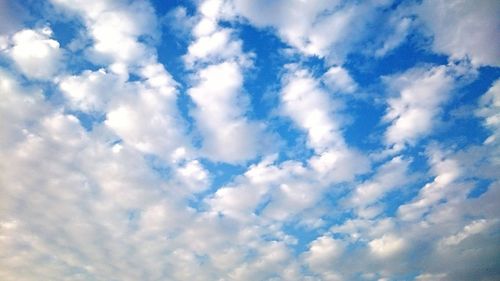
<point x="91" y="191"/>
<point x="311" y="109"/>
<point x="221" y="106"/>
<point x="193" y="176"/>
<point x="91" y="91"/>
<point x="215" y="46"/>
<point x="413" y="110"/>
<point x="443" y="186"/>
<point x="84" y="189"/>
<point x="35" y="54"/>
<point x="389" y="176"/>
<point x="211" y="42"/>
<point x="228" y="135"/>
<point x="308" y="31"/>
<point x="338" y="79"/>
<point x="463" y="29"/>
<point x="283" y="191"/>
<point x="328" y="29"/>
<point x="339" y="165"/>
<point x="322" y="254"/>
<point x="115" y="27"/>
<point x="387" y="245"/>
<point x="16" y="107"/>
<point x="148" y="118"/>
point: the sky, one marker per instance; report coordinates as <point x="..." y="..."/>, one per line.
<point x="250" y="140"/>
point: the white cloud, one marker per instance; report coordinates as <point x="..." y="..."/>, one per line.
<point x="443" y="186"/>
<point x="311" y="109"/>
<point x="392" y="174"/>
<point x="463" y="29"/>
<point x="78" y="191"/>
<point x="193" y="176"/>
<point x="340" y="165"/>
<point x="213" y="43"/>
<point x="91" y="91"/>
<point x="308" y="31"/>
<point x="228" y="135"/>
<point x="90" y="191"/>
<point x="130" y="198"/>
<point x="489" y="109"/>
<point x="327" y="29"/>
<point x="35" y="53"/>
<point x="430" y="277"/>
<point x="273" y="258"/>
<point x="215" y="47"/>
<point x="338" y="80"/>
<point x="387" y="246"/>
<point x="282" y="185"/>
<point x="400" y="30"/>
<point x="417" y="104"/>
<point x="147" y="117"/>
<point x="323" y="253"/>
<point x="364" y="229"/>
<point x="474" y="227"/>
<point x="115" y="28"/>
<point x="217" y="91"/>
<point x="16" y="107"/>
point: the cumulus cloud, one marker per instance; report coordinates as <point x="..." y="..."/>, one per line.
<point x="322" y="254"/>
<point x="463" y="30"/>
<point x="311" y="109"/>
<point x="389" y="176"/>
<point x="446" y="171"/>
<point x="317" y="28"/>
<point x="338" y="79"/>
<point x="387" y="245"/>
<point x="220" y="113"/>
<point x="412" y="112"/>
<point x="144" y="115"/>
<point x="92" y="90"/>
<point x="327" y="29"/>
<point x="115" y="28"/>
<point x="35" y="54"/>
<point x="227" y="134"/>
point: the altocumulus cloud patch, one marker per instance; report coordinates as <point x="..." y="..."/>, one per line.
<point x="249" y="140"/>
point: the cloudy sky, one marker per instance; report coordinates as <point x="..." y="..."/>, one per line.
<point x="249" y="140"/>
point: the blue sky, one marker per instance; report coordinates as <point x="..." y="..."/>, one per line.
<point x="249" y="140"/>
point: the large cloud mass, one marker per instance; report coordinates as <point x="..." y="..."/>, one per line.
<point x="249" y="140"/>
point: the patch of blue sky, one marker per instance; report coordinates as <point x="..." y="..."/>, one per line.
<point x="481" y="186"/>
<point x="87" y="120"/>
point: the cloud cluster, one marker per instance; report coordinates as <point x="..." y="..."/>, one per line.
<point x="454" y="27"/>
<point x="35" y="53"/>
<point x="123" y="168"/>
<point x="218" y="60"/>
